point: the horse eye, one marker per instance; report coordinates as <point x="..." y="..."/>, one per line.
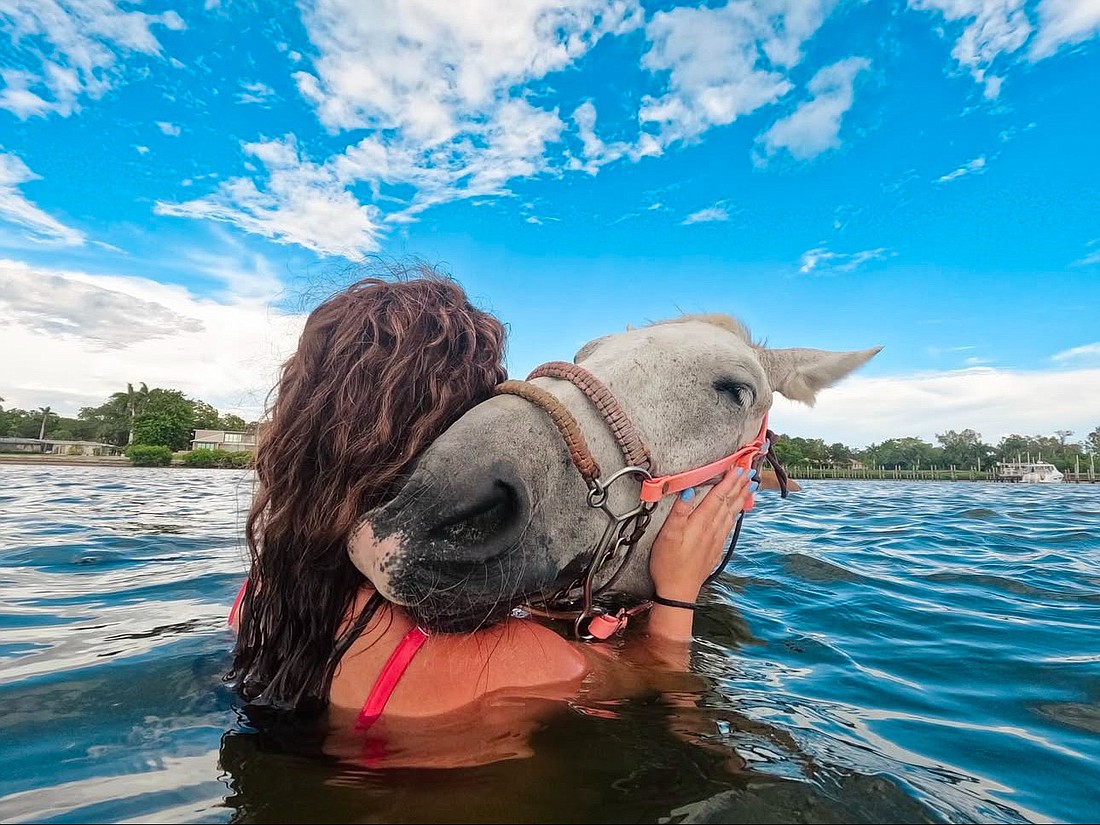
<point x="739" y="391"/>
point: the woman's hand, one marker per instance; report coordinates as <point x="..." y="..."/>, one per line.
<point x="690" y="546"/>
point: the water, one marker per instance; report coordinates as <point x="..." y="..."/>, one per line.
<point x="882" y="651"/>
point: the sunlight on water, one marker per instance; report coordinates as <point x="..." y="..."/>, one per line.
<point x="880" y="651"/>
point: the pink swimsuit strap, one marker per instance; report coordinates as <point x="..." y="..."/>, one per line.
<point x="391" y="674"/>
<point x="387" y="680"/>
<point x="236" y="608"/>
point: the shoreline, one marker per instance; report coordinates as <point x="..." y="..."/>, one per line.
<point x="796" y="474"/>
<point x="99" y="461"/>
<point x="953" y="474"/>
<point x="66" y="460"/>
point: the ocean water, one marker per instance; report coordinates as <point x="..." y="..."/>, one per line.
<point x="879" y="651"/>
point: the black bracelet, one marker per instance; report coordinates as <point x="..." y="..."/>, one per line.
<point x="673" y="603"/>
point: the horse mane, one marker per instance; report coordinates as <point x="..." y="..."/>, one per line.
<point x="717" y="319"/>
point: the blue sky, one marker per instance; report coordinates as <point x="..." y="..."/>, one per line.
<point x="180" y="181"/>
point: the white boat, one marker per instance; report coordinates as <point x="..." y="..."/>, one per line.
<point x="1029" y="472"/>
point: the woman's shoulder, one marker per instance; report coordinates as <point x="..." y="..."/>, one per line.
<point x="515" y="653"/>
<point x="452" y="670"/>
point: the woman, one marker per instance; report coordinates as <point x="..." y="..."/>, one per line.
<point x="382" y="369"/>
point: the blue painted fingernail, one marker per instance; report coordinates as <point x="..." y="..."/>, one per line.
<point x="752" y="473"/>
<point x="688" y="494"/>
<point x="754" y="486"/>
<point x="740" y="471"/>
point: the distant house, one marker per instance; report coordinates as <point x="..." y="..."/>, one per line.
<point x="855" y="464"/>
<point x="232" y="440"/>
<point x="54" y="446"/>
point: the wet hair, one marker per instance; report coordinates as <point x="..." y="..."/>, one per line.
<point x="382" y="368"/>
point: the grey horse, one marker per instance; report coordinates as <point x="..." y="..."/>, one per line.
<point x="494" y="513"/>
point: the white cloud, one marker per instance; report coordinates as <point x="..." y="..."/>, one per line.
<point x="243" y="275"/>
<point x="863" y="410"/>
<point x="1092" y="257"/>
<point x="1063" y="22"/>
<point x="256" y="92"/>
<point x="938" y="351"/>
<point x="511" y="144"/>
<point x="595" y="152"/>
<point x="141" y="150"/>
<point x="446" y="101"/>
<point x="722" y="63"/>
<point x="711" y="214"/>
<point x="170" y="129"/>
<point x="311" y="204"/>
<point x="91" y="334"/>
<point x="439" y="89"/>
<point x="822" y="260"/>
<point x="448" y="96"/>
<point x="17" y="210"/>
<point x="443" y="91"/>
<point x="302" y="203"/>
<point x="995" y="32"/>
<point x="432" y="70"/>
<point x="1088" y="352"/>
<point x="814" y="126"/>
<point x="993" y="28"/>
<point x="72" y="48"/>
<point x="973" y="167"/>
<point x="57" y="306"/>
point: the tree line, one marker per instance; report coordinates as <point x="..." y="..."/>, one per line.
<point x="167" y="417"/>
<point x="960" y="449"/>
<point x="138" y="415"/>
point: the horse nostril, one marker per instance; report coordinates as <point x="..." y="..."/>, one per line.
<point x="492" y="515"/>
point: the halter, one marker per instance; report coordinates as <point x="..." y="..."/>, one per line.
<point x="576" y="601"/>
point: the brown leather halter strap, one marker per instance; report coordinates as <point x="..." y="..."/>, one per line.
<point x="563" y="419"/>
<point x="634" y="449"/>
<point x="626" y="435"/>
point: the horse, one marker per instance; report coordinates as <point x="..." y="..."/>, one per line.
<point x="494" y="516"/>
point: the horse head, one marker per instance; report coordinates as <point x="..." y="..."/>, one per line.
<point x="494" y="513"/>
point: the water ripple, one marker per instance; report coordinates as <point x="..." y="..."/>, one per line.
<point x="879" y="651"/>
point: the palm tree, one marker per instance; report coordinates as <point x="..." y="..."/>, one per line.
<point x="132" y="402"/>
<point x="45" y="415"/>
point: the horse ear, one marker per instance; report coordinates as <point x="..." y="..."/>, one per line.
<point x="800" y="373"/>
<point x="588" y="349"/>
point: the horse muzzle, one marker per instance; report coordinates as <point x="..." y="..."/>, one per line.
<point x="454" y="546"/>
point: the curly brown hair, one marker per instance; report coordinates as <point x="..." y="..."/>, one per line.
<point x="382" y="368"/>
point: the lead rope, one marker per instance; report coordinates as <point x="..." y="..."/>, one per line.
<point x="780" y="473"/>
<point x="784" y="483"/>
